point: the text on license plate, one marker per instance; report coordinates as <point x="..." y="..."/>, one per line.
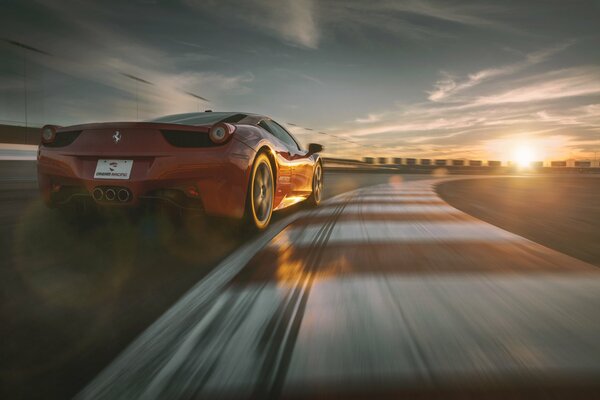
<point x="113" y="169"/>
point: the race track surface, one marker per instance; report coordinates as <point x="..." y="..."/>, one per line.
<point x="383" y="290"/>
<point x="74" y="292"/>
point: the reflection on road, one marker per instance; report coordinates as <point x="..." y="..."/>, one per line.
<point x="384" y="287"/>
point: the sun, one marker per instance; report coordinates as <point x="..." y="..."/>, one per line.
<point x="524" y="156"/>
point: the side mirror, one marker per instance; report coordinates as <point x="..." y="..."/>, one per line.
<point x="314" y="148"/>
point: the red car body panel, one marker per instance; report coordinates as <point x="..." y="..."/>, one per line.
<point x="217" y="176"/>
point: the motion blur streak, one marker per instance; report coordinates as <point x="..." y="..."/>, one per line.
<point x="340" y="300"/>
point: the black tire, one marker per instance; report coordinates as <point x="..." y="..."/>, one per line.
<point x="261" y="193"/>
<point x="317" y="186"/>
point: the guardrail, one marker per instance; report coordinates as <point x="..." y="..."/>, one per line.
<point x="409" y="161"/>
<point x="414" y="165"/>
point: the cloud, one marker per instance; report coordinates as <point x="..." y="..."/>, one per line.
<point x="97" y="53"/>
<point x="466" y="14"/>
<point x="292" y="21"/>
<point x="412" y="19"/>
<point x="303" y="23"/>
<point x="369" y="119"/>
<point x="294" y="73"/>
<point x="448" y="85"/>
<point x="571" y="82"/>
<point x="559" y="102"/>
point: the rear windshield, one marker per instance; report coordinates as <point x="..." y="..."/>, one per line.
<point x="203" y="118"/>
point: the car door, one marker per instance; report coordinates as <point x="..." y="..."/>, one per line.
<point x="301" y="164"/>
<point x="285" y="160"/>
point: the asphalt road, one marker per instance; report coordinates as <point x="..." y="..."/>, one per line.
<point x="562" y="213"/>
<point x="75" y="293"/>
<point x="383" y="291"/>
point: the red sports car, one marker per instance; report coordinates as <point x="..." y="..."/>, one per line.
<point x="226" y="163"/>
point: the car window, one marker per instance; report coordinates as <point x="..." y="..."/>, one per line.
<point x="205" y="118"/>
<point x="279" y="132"/>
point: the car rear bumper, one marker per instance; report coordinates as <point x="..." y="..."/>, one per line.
<point x="213" y="180"/>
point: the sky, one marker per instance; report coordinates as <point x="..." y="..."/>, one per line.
<point x="427" y="79"/>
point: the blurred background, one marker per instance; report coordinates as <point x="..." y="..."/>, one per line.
<point x="456" y="253"/>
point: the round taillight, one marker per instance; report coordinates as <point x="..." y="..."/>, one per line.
<point x="48" y="134"/>
<point x="220" y="133"/>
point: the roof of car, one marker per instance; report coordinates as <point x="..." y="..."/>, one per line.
<point x="209" y="118"/>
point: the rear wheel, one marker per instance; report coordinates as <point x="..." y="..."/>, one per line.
<point x="261" y="191"/>
<point x="317" y="186"/>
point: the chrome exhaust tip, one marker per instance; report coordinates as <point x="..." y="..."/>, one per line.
<point x="110" y="194"/>
<point x="123" y="195"/>
<point x="98" y="194"/>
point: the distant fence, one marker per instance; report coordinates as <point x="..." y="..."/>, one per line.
<point x="428" y="166"/>
<point x="428" y="162"/>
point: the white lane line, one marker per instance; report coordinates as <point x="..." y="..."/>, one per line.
<point x="402" y="232"/>
<point x="391" y="209"/>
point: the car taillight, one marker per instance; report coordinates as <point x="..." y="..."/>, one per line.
<point x="221" y="132"/>
<point x="48" y="133"/>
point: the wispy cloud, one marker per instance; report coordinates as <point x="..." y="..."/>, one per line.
<point x="102" y="54"/>
<point x="413" y="19"/>
<point x="449" y="85"/>
<point x="544" y="103"/>
<point x="468" y="14"/>
<point x="370" y="118"/>
<point x="304" y="23"/>
<point x="571" y="82"/>
<point x="292" y="21"/>
<point x="295" y="20"/>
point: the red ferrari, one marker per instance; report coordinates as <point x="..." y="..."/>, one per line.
<point x="229" y="164"/>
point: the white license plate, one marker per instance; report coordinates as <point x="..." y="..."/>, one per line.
<point x="113" y="169"/>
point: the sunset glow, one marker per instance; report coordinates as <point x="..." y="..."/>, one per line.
<point x="427" y="79"/>
<point x="524" y="156"/>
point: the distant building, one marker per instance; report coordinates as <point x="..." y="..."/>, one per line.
<point x="425" y="161"/>
<point x="382" y="160"/>
<point x="458" y="163"/>
<point x="475" y="163"/>
<point x="537" y="164"/>
<point x="369" y="160"/>
<point x="397" y="160"/>
<point x="441" y="162"/>
<point x="583" y="164"/>
<point x="558" y="164"/>
<point x="411" y="161"/>
<point x="494" y="164"/>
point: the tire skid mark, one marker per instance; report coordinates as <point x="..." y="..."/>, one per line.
<point x="281" y="332"/>
<point x="203" y="341"/>
<point x="418" y="354"/>
<point x="417" y="351"/>
<point x="142" y="361"/>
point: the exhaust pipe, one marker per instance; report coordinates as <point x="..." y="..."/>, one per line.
<point x="110" y="194"/>
<point x="98" y="194"/>
<point x="123" y="195"/>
